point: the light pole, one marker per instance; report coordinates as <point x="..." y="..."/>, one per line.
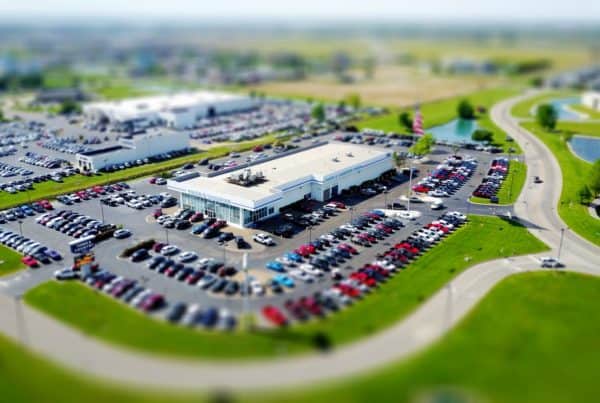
<point x="224" y="253"/>
<point x="309" y="228"/>
<point x="511" y="174"/>
<point x="351" y="209"/>
<point x="167" y="234"/>
<point x="101" y="210"/>
<point x="410" y="175"/>
<point x="385" y="193"/>
<point x="560" y="244"/>
<point x="20" y="227"/>
<point x="20" y="319"/>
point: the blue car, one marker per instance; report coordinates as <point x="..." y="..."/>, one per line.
<point x="54" y="255"/>
<point x="275" y="266"/>
<point x="293" y="256"/>
<point x="284" y="280"/>
<point x="198" y="229"/>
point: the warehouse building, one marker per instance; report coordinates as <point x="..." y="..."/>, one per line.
<point x="177" y="111"/>
<point x="248" y="195"/>
<point x="132" y="149"/>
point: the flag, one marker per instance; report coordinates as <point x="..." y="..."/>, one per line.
<point x="417" y="127"/>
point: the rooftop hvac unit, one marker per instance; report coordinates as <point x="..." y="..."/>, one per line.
<point x="349" y="154"/>
<point x="335" y="159"/>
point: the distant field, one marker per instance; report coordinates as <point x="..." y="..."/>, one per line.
<point x="391" y="86"/>
<point x="591" y="113"/>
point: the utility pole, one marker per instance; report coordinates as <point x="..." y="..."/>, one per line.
<point x="409" y="186"/>
<point x="385" y="193"/>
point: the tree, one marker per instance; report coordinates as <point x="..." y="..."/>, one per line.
<point x="404" y="119"/>
<point x="584" y="194"/>
<point x="423" y="145"/>
<point x="595" y="178"/>
<point x="465" y="110"/>
<point x="318" y="112"/>
<point x="69" y="106"/>
<point x="353" y="100"/>
<point x="399" y="159"/>
<point x="546" y="116"/>
<point x="482" y="135"/>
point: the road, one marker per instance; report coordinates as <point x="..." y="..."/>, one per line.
<point x="535" y="207"/>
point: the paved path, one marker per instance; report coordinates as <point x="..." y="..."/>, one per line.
<point x="535" y="207"/>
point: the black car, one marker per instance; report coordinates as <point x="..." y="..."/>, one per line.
<point x="219" y="285"/>
<point x="285" y="230"/>
<point x="176" y="313"/>
<point x="240" y="242"/>
<point x="139" y="255"/>
<point x="225" y="236"/>
<point x="169" y="202"/>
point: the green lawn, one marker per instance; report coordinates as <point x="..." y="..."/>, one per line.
<point x="575" y="172"/>
<point x="46" y="190"/>
<point x="120" y="91"/>
<point x="513" y="347"/>
<point x="10" y="261"/>
<point x="523" y="109"/>
<point x="591" y="113"/>
<point x="484" y="238"/>
<point x="512" y="185"/>
<point x="440" y="112"/>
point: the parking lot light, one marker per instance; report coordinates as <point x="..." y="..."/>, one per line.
<point x="351" y="209"/>
<point x="309" y="228"/>
<point x="20" y="227"/>
<point x="167" y="234"/>
<point x="560" y="244"/>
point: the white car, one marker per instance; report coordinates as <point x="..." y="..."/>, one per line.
<point x="168" y="250"/>
<point x="301" y="275"/>
<point x="190" y="315"/>
<point x="310" y="269"/>
<point x="187" y="256"/>
<point x="437" y="193"/>
<point x="65" y="274"/>
<point x="257" y="288"/>
<point x="550" y="262"/>
<point x="160" y="181"/>
<point x="437" y="205"/>
<point x="264" y="239"/>
<point x="458" y="215"/>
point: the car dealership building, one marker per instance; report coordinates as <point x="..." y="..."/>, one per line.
<point x="247" y="195"/>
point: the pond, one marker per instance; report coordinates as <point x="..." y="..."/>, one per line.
<point x="455" y="131"/>
<point x="561" y="105"/>
<point x="585" y="147"/>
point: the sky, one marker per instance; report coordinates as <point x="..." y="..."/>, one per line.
<point x="447" y="10"/>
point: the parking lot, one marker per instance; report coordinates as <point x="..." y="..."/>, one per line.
<point x="143" y="226"/>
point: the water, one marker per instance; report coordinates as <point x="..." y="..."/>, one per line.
<point x="587" y="148"/>
<point x="455" y="131"/>
<point x="561" y="105"/>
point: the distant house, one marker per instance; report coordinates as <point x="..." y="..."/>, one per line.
<point x="59" y="95"/>
<point x="591" y="99"/>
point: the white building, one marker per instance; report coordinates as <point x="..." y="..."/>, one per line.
<point x="591" y="99"/>
<point x="178" y="111"/>
<point x="319" y="173"/>
<point x="131" y="149"/>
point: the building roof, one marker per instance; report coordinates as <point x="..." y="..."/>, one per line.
<point x="281" y="174"/>
<point x="175" y="103"/>
<point x="104" y="150"/>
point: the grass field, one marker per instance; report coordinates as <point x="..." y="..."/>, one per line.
<point x="484" y="238"/>
<point x="440" y="112"/>
<point x="46" y="190"/>
<point x="10" y="261"/>
<point x="528" y="355"/>
<point x="575" y="173"/>
<point x="591" y="113"/>
<point x="513" y="348"/>
<point x="120" y="91"/>
<point x="523" y="109"/>
<point x="512" y="185"/>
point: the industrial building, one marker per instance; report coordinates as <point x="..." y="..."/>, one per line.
<point x="591" y="99"/>
<point x="131" y="149"/>
<point x="177" y="111"/>
<point x="248" y="195"/>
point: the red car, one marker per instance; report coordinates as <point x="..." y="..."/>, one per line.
<point x="194" y="277"/>
<point x="305" y="250"/>
<point x="348" y="248"/>
<point x="338" y="204"/>
<point x="157" y="213"/>
<point x="158" y="246"/>
<point x="274" y="315"/>
<point x="46" y="204"/>
<point x="152" y="180"/>
<point x="347" y="290"/>
<point x="197" y="217"/>
<point x="258" y="149"/>
<point x="311" y="305"/>
<point x="384" y="228"/>
<point x="151" y="302"/>
<point x="438" y="227"/>
<point x="363" y="278"/>
<point x="30" y="261"/>
<point x="366" y="237"/>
